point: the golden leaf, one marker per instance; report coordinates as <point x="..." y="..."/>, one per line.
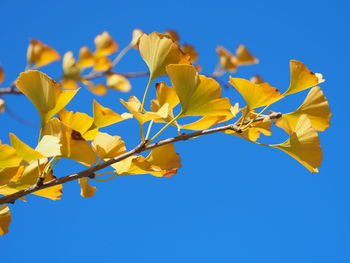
<point x="301" y="78"/>
<point x="107" y="146"/>
<point x="256" y="95"/>
<point x="244" y="57"/>
<point x="10" y="174"/>
<point x="315" y="106"/>
<point x="105" y="45"/>
<point x="70" y="67"/>
<point x="191" y="51"/>
<point x="5" y="219"/>
<point x="99" y="89"/>
<point x="8" y="157"/>
<point x="23" y="150"/>
<point x="104" y="116"/>
<point x="44" y="93"/>
<point x="102" y="64"/>
<point x="158" y="51"/>
<point x="136" y="34"/>
<point x="86" y="58"/>
<point x="256" y="79"/>
<point x="226" y="59"/>
<point x="86" y="189"/>
<point x="118" y="82"/>
<point x="172" y="34"/>
<point x="41" y="54"/>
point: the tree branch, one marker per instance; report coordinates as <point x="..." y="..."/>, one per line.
<point x="138" y="149"/>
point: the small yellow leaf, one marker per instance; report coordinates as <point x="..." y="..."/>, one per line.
<point x="244" y="57"/>
<point x="303" y="145"/>
<point x="107" y="146"/>
<point x="86" y="189"/>
<point x="5" y="219"/>
<point x="256" y="95"/>
<point x="315" y="106"/>
<point x="10" y="174"/>
<point x="226" y="59"/>
<point x="173" y="34"/>
<point x="99" y="89"/>
<point x="102" y="64"/>
<point x="104" y="116"/>
<point x="41" y="54"/>
<point x="158" y="51"/>
<point x="105" y="45"/>
<point x="198" y="94"/>
<point x="8" y="157"/>
<point x="73" y="145"/>
<point x="256" y="79"/>
<point x="301" y="78"/>
<point x="23" y="150"/>
<point x="49" y="146"/>
<point x="86" y="58"/>
<point x="71" y="70"/>
<point x="44" y="93"/>
<point x="136" y="34"/>
<point x="118" y="82"/>
<point x="2" y="105"/>
<point x="134" y="106"/>
<point x="191" y="51"/>
<point x="161" y="162"/>
<point x="2" y="75"/>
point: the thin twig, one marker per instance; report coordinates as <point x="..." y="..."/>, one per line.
<point x="138" y="149"/>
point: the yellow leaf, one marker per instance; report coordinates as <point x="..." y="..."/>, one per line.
<point x="8" y="157"/>
<point x="2" y="105"/>
<point x="71" y="70"/>
<point x="158" y="51"/>
<point x="10" y="174"/>
<point x="301" y="78"/>
<point x="86" y="58"/>
<point x="136" y="34"/>
<point x="107" y="146"/>
<point x="191" y="51"/>
<point x="256" y="95"/>
<point x="49" y="146"/>
<point x="44" y="93"/>
<point x="256" y="79"/>
<point x="118" y="82"/>
<point x="102" y="64"/>
<point x="23" y="150"/>
<point x="244" y="57"/>
<point x="226" y="59"/>
<point x="78" y="121"/>
<point x="2" y="75"/>
<point x="86" y="189"/>
<point x="315" y="106"/>
<point x="69" y="84"/>
<point x="198" y="94"/>
<point x="161" y="162"/>
<point x="99" y="89"/>
<point x="41" y="54"/>
<point x="105" y="45"/>
<point x="5" y="219"/>
<point x="303" y="145"/>
<point x="29" y="178"/>
<point x="104" y="116"/>
<point x="73" y="145"/>
<point x="172" y="34"/>
<point x="134" y="106"/>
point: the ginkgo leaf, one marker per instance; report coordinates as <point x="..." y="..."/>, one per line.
<point x="158" y="51"/>
<point x="256" y="95"/>
<point x="10" y="174"/>
<point x="102" y="64"/>
<point x="5" y="219"/>
<point x="107" y="146"/>
<point x="70" y="67"/>
<point x="301" y="78"/>
<point x="136" y="34"/>
<point x="78" y="121"/>
<point x="99" y="89"/>
<point x="315" y="106"/>
<point x="29" y="177"/>
<point x="104" y="116"/>
<point x="86" y="189"/>
<point x="198" y="94"/>
<point x="105" y="45"/>
<point x="173" y="34"/>
<point x="49" y="146"/>
<point x="244" y="57"/>
<point x="191" y="51"/>
<point x="40" y="54"/>
<point x="118" y="82"/>
<point x="86" y="58"/>
<point x="8" y="157"/>
<point x="73" y="145"/>
<point x="226" y="59"/>
<point x="23" y="150"/>
<point x="303" y="145"/>
<point x="256" y="79"/>
<point x="161" y="162"/>
<point x="134" y="106"/>
<point x="2" y="105"/>
<point x="44" y="93"/>
<point x="2" y="75"/>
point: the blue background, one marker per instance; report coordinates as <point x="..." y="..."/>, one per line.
<point x="232" y="201"/>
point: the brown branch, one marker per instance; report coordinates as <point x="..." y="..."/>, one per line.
<point x="139" y="149"/>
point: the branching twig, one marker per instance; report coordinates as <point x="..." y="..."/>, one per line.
<point x="138" y="149"/>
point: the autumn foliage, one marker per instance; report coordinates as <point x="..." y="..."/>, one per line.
<point x="188" y="93"/>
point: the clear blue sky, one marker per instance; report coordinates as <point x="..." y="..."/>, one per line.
<point x="232" y="201"/>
